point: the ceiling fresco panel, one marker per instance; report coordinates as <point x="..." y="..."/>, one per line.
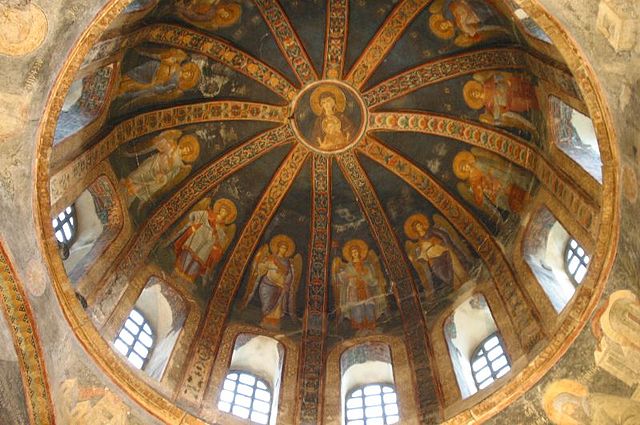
<point x="150" y="169"/>
<point x="308" y="17"/>
<point x="440" y="32"/>
<point x="195" y="257"/>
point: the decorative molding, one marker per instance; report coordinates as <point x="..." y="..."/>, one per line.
<point x="407" y="297"/>
<point x="335" y="45"/>
<point x="208" y="340"/>
<point x="77" y="171"/>
<point x="288" y="41"/>
<point x="22" y="325"/>
<point x="310" y="382"/>
<point x="390" y="32"/>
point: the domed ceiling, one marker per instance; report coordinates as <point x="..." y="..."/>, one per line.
<point x="286" y="164"/>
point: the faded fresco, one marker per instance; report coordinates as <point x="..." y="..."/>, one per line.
<point x="13" y="407"/>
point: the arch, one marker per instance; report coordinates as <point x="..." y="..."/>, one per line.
<point x="466" y="330"/>
<point x="545" y="249"/>
<point x="266" y="355"/>
<point x="355" y="363"/>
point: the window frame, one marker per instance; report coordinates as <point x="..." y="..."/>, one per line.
<point x="58" y="223"/>
<point x="584" y="260"/>
<point x="232" y="403"/>
<point x="480" y="352"/>
<point x="383" y="404"/>
<point x="136" y="339"/>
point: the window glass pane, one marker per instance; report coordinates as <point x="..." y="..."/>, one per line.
<point x="354" y="402"/>
<point x="242" y="400"/>
<point x="126" y="337"/>
<point x="136" y="317"/>
<point x="491" y="342"/>
<point x="229" y="385"/>
<point x="226" y="395"/>
<point x="145" y="339"/>
<point x="247" y="379"/>
<point x="375" y="421"/>
<point x="121" y="347"/>
<point x="357" y="422"/>
<point x="479" y="364"/>
<point x="582" y="271"/>
<point x="390" y="398"/>
<point x="391" y="409"/>
<point x="147" y="329"/>
<point x="132" y="327"/>
<point x="262" y="386"/>
<point x="355" y="414"/>
<point x="141" y="350"/>
<point x="373" y="400"/>
<point x="485" y="384"/>
<point x="263" y="395"/>
<point x="372" y="389"/>
<point x="240" y="411"/>
<point x="136" y="360"/>
<point x="393" y="419"/>
<point x="232" y="376"/>
<point x="499" y="363"/>
<point x="261" y="406"/>
<point x="495" y="353"/>
<point x="245" y="390"/>
<point x="483" y="374"/>
<point x="503" y="372"/>
<point x="357" y="393"/>
<point x="387" y="389"/>
<point x="224" y="406"/>
<point x="259" y="418"/>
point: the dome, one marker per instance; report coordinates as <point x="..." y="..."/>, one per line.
<point x="325" y="197"/>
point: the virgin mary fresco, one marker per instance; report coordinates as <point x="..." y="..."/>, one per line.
<point x="331" y="130"/>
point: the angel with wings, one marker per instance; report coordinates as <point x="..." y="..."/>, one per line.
<point x="359" y="286"/>
<point x="490" y="183"/>
<point x="436" y="252"/>
<point x="467" y="17"/>
<point x="203" y="237"/>
<point x="164" y="169"/>
<point x="275" y="275"/>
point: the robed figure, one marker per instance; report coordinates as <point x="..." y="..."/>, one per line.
<point x="203" y="238"/>
<point x="170" y="163"/>
<point x="359" y="286"/>
<point x="439" y="257"/>
<point x="332" y="129"/>
<point x="466" y="18"/>
<point x="491" y="183"/>
<point x="275" y="276"/>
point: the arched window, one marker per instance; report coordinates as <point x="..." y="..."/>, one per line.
<point x="372" y="404"/>
<point x="490" y="361"/>
<point x="368" y="386"/>
<point x="246" y="396"/>
<point x="64" y="228"/>
<point x="576" y="260"/>
<point x="135" y="339"/>
<point x="251" y="388"/>
<point x="471" y="335"/>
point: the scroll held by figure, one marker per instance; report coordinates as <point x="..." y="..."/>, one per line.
<point x="359" y="287"/>
<point x="437" y="253"/>
<point x="202" y="238"/>
<point x="170" y="162"/>
<point x="275" y="277"/>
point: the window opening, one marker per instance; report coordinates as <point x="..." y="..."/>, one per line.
<point x="372" y="404"/>
<point x="489" y="362"/>
<point x="135" y="339"/>
<point x="246" y="396"/>
<point x="577" y="261"/>
<point x="65" y="227"/>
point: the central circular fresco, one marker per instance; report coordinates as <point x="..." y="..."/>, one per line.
<point x="329" y="116"/>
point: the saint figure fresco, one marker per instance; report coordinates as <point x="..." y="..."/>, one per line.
<point x="359" y="286"/>
<point x="166" y="77"/>
<point x="275" y="276"/>
<point x="490" y="183"/>
<point x="467" y="16"/>
<point x="332" y="130"/>
<point x="505" y="96"/>
<point x="203" y="237"/>
<point x="438" y="255"/>
<point x="159" y="173"/>
<point x="568" y="402"/>
<point x="209" y="14"/>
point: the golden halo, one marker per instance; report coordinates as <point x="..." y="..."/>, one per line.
<point x="229" y="205"/>
<point x="192" y="143"/>
<point x="334" y="91"/>
<point x="556" y="388"/>
<point x="441" y="27"/>
<point x="358" y="244"/>
<point x="461" y="159"/>
<point x="231" y="15"/>
<point x="473" y="102"/>
<point x="410" y="223"/>
<point x="278" y="240"/>
<point x="195" y="76"/>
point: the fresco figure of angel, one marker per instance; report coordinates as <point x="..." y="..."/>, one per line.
<point x="164" y="169"/>
<point x="359" y="286"/>
<point x="203" y="238"/>
<point x="167" y="76"/>
<point x="209" y="14"/>
<point x="332" y="130"/>
<point x="275" y="276"/>
<point x="437" y="254"/>
<point x="467" y="16"/>
<point x="505" y="96"/>
<point x="490" y="183"/>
